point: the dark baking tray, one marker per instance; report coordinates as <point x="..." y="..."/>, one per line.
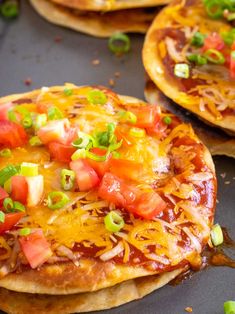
<point x="28" y="48"/>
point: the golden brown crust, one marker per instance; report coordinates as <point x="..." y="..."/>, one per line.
<point x="94" y="23"/>
<point x="157" y="72"/>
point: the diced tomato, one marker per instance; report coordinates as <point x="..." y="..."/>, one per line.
<point x="213" y="41"/>
<point x="126" y="169"/>
<point x="143" y="204"/>
<point x="19" y="189"/>
<point x="232" y="61"/>
<point x="3" y="195"/>
<point x="147" y="116"/>
<point x="4" y="110"/>
<point x="157" y="130"/>
<point x="99" y="166"/>
<point x="10" y="221"/>
<point x="35" y="190"/>
<point x="61" y="152"/>
<point x="123" y="135"/>
<point x="86" y="177"/>
<point x="11" y="134"/>
<point x="42" y="107"/>
<point x="35" y="248"/>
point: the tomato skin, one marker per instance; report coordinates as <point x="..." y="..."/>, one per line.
<point x="4" y="110"/>
<point x="101" y="167"/>
<point x="35" y="248"/>
<point x="12" y="135"/>
<point x="147" y="116"/>
<point x="3" y="195"/>
<point x="11" y="220"/>
<point x="126" y="169"/>
<point x="61" y="152"/>
<point x="86" y="176"/>
<point x="19" y="189"/>
<point x="213" y="41"/>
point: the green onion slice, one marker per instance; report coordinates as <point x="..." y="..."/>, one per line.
<point x="84" y="140"/>
<point x="214" y="8"/>
<point x="137" y="132"/>
<point x="113" y="222"/>
<point x="68" y="91"/>
<point x="229" y="37"/>
<point x="8" y="204"/>
<point x="95" y="157"/>
<point x="19" y="207"/>
<point x="35" y="141"/>
<point x="2" y="217"/>
<point x="40" y="121"/>
<point x="10" y="9"/>
<point x="196" y="58"/>
<point x="96" y="97"/>
<point x="127" y="117"/>
<point x="181" y="70"/>
<point x="7" y="172"/>
<point x="57" y="200"/>
<point x="67" y="179"/>
<point x="198" y="39"/>
<point x="229" y="307"/>
<point x="7" y="186"/>
<point x="119" y="43"/>
<point x="28" y="169"/>
<point x="167" y="120"/>
<point x="27" y="122"/>
<point x="54" y="113"/>
<point x="24" y="232"/>
<point x="217" y="237"/>
<point x="80" y="153"/>
<point x="6" y="152"/>
<point x="214" y="56"/>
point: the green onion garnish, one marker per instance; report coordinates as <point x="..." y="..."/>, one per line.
<point x="40" y="121"/>
<point x="229" y="307"/>
<point x="233" y="55"/>
<point x="57" y="200"/>
<point x="80" y="153"/>
<point x="27" y="122"/>
<point x="181" y="70"/>
<point x="67" y="179"/>
<point x="24" y="232"/>
<point x="54" y="113"/>
<point x="217" y="237"/>
<point x="198" y="39"/>
<point x="68" y="91"/>
<point x="230" y="17"/>
<point x="83" y="140"/>
<point x="35" y="141"/>
<point x="2" y="217"/>
<point x="7" y="172"/>
<point x="214" y="8"/>
<point x="28" y="169"/>
<point x="6" y="152"/>
<point x="95" y="157"/>
<point x="9" y="9"/>
<point x="12" y="116"/>
<point x="113" y="222"/>
<point x="115" y="146"/>
<point x="127" y="117"/>
<point x="8" y="204"/>
<point x="214" y="56"/>
<point x="137" y="132"/>
<point x="7" y="186"/>
<point x="119" y="43"/>
<point x="96" y="97"/>
<point x="19" y="207"/>
<point x="167" y="120"/>
<point x="199" y="60"/>
<point x="229" y="37"/>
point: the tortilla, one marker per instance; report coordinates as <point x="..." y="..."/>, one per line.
<point x="94" y="23"/>
<point x="95" y="258"/>
<point x="21" y="303"/>
<point x="109" y="5"/>
<point x="209" y="90"/>
<point x="217" y="142"/>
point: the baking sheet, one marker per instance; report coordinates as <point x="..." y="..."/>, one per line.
<point x="48" y="55"/>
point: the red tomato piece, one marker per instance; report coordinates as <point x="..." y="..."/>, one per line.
<point x="10" y="221"/>
<point x="4" y="110"/>
<point x="19" y="189"/>
<point x="213" y="41"/>
<point x="3" y="195"/>
<point x="101" y="167"/>
<point x="61" y="152"/>
<point x="232" y="64"/>
<point x="147" y="116"/>
<point x="124" y="136"/>
<point x="35" y="248"/>
<point x="86" y="176"/>
<point x="157" y="130"/>
<point x="126" y="169"/>
<point x="11" y="134"/>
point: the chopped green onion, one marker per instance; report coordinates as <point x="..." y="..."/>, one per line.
<point x="230" y="17"/>
<point x="181" y="70"/>
<point x="119" y="43"/>
<point x="198" y="39"/>
<point x="27" y="122"/>
<point x="199" y="60"/>
<point x="116" y="155"/>
<point x="113" y="222"/>
<point x="83" y="140"/>
<point x="229" y="37"/>
<point x="95" y="157"/>
<point x="127" y="117"/>
<point x="54" y="113"/>
<point x="115" y="146"/>
<point x="167" y="120"/>
<point x="57" y="200"/>
<point x="5" y="153"/>
<point x="40" y="121"/>
<point x="229" y="307"/>
<point x="29" y="169"/>
<point x="19" y="207"/>
<point x="35" y="141"/>
<point x="24" y="232"/>
<point x="80" y="153"/>
<point x="10" y="9"/>
<point x="214" y="56"/>
<point x="217" y="237"/>
<point x="233" y="55"/>
<point x="12" y="116"/>
<point x="214" y="8"/>
<point x="7" y="186"/>
<point x="67" y="179"/>
<point x="7" y="172"/>
<point x="68" y="91"/>
<point x="137" y="132"/>
<point x="96" y="97"/>
<point x="2" y="217"/>
<point x="8" y="204"/>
